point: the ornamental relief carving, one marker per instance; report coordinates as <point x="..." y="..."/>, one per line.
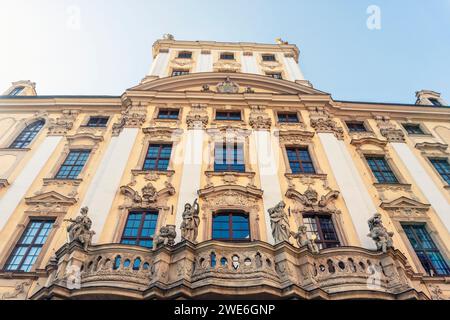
<point x="19" y="292"/>
<point x="149" y="196"/>
<point x="233" y="196"/>
<point x="436" y="148"/>
<point x="259" y="119"/>
<point x="61" y="125"/>
<point x="227" y="66"/>
<point x="271" y="66"/>
<point x="162" y="133"/>
<point x="197" y="117"/>
<point x="133" y="116"/>
<point x="295" y="136"/>
<point x="181" y="63"/>
<point x="322" y="121"/>
<point x="49" y="203"/>
<point x="309" y="201"/>
<point x="405" y="208"/>
<point x="389" y="130"/>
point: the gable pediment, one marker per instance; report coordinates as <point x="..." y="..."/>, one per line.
<point x="242" y="83"/>
<point x="50" y="198"/>
<point x="404" y="203"/>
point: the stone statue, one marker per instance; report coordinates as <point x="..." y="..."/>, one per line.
<point x="302" y="239"/>
<point x="379" y="234"/>
<point x="165" y="237"/>
<point x="279" y="223"/>
<point x="80" y="229"/>
<point x="191" y="221"/>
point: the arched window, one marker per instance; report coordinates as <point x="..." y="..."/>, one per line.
<point x="231" y="226"/>
<point x="27" y="135"/>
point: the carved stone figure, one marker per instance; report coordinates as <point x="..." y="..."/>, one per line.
<point x="80" y="229"/>
<point x="302" y="239"/>
<point x="165" y="237"/>
<point x="191" y="221"/>
<point x="279" y="223"/>
<point x="379" y="234"/>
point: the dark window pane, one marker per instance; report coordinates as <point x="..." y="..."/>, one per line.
<point x="228" y="115"/>
<point x="413" y="129"/>
<point x="381" y="170"/>
<point x="97" y="122"/>
<point x="323" y="228"/>
<point x="300" y="160"/>
<point x="356" y="127"/>
<point x="168" y="114"/>
<point x="435" y="102"/>
<point x="73" y="164"/>
<point x="27" y="135"/>
<point x="269" y="57"/>
<point x="185" y="55"/>
<point x="231" y="226"/>
<point x="158" y="157"/>
<point x="287" y="117"/>
<point x="29" y="245"/>
<point x="16" y="91"/>
<point x="179" y="73"/>
<point x="443" y="168"/>
<point x="227" y="56"/>
<point x="229" y="157"/>
<point x="140" y="228"/>
<point x="275" y="75"/>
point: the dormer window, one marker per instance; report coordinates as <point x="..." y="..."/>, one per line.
<point x="269" y="58"/>
<point x="185" y="55"/>
<point x="227" y="56"/>
<point x="16" y="91"/>
<point x="435" y="102"/>
<point x="97" y="122"/>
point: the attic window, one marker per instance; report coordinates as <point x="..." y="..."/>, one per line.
<point x="435" y="102"/>
<point x="185" y="55"/>
<point x="227" y="56"/>
<point x="269" y="57"/>
<point x="16" y="91"/>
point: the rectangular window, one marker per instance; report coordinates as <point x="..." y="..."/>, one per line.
<point x="73" y="164"/>
<point x="435" y="102"/>
<point x="356" y="126"/>
<point x="229" y="157"/>
<point x="158" y="157"/>
<point x="168" y="114"/>
<point x="99" y="122"/>
<point x="16" y="91"/>
<point x="287" y="117"/>
<point x="322" y="228"/>
<point x="140" y="228"/>
<point x="227" y="56"/>
<point x="185" y="55"/>
<point x="29" y="245"/>
<point x="268" y="57"/>
<point x="276" y="75"/>
<point x="228" y="115"/>
<point x="426" y="250"/>
<point x="176" y="73"/>
<point x="381" y="170"/>
<point x="300" y="160"/>
<point x="443" y="168"/>
<point x="413" y="128"/>
<point x="231" y="227"/>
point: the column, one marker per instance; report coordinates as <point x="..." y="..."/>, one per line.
<point x="267" y="150"/>
<point x="106" y="182"/>
<point x="425" y="183"/>
<point x="293" y="68"/>
<point x="27" y="176"/>
<point x="351" y="185"/>
<point x="191" y="175"/>
<point x="159" y="65"/>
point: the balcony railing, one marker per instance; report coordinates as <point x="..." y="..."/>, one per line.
<point x="220" y="269"/>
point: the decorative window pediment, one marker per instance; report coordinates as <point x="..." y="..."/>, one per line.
<point x="436" y="148"/>
<point x="309" y="201"/>
<point x="51" y="197"/>
<point x="230" y="196"/>
<point x="148" y="197"/>
<point x="369" y="141"/>
<point x="404" y="205"/>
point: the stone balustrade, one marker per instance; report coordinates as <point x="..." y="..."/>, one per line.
<point x="211" y="269"/>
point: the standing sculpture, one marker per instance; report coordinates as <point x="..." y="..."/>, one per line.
<point x="302" y="239"/>
<point x="80" y="229"/>
<point x="379" y="234"/>
<point x="279" y="223"/>
<point x="191" y="221"/>
<point x="165" y="237"/>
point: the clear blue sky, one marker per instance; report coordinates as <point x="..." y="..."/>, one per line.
<point x="111" y="49"/>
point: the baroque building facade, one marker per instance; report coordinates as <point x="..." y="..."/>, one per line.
<point x="223" y="174"/>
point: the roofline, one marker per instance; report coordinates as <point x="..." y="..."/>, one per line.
<point x="391" y="104"/>
<point x="60" y="97"/>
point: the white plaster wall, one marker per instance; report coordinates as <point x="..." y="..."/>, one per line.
<point x="431" y="191"/>
<point x="267" y="154"/>
<point x="293" y="69"/>
<point x="23" y="182"/>
<point x="204" y="63"/>
<point x="249" y="65"/>
<point x="191" y="175"/>
<point x="105" y="184"/>
<point x="351" y="185"/>
<point x="159" y="65"/>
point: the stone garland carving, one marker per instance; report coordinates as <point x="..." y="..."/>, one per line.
<point x="148" y="195"/>
<point x="227" y="86"/>
<point x="379" y="234"/>
<point x="80" y="229"/>
<point x="259" y="120"/>
<point x="191" y="221"/>
<point x="197" y="118"/>
<point x="132" y="116"/>
<point x="279" y="222"/>
<point x="389" y="130"/>
<point x="295" y="136"/>
<point x="321" y="121"/>
<point x="227" y="66"/>
<point x="302" y="239"/>
<point x="309" y="201"/>
<point x="165" y="237"/>
<point x="18" y="290"/>
<point x="63" y="124"/>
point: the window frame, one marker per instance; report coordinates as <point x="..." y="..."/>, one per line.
<point x="265" y="55"/>
<point x="158" y="158"/>
<point x="303" y="147"/>
<point x="230" y="214"/>
<point x="275" y="75"/>
<point x="139" y="237"/>
<point x="316" y="216"/>
<point x="223" y="54"/>
<point x="180" y="72"/>
<point x="288" y="113"/>
<point x="20" y="236"/>
<point x="407" y="127"/>
<point x="394" y="172"/>
<point x="23" y="132"/>
<point x="431" y="159"/>
<point x="180" y="53"/>
<point x="230" y="167"/>
<point x="16" y="91"/>
<point x="353" y="122"/>
<point x="87" y="124"/>
<point x="228" y="112"/>
<point x="170" y="111"/>
<point x="89" y="154"/>
<point x="436" y="102"/>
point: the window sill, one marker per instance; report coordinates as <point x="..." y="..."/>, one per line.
<point x="54" y="181"/>
<point x="320" y="176"/>
<point x="420" y="135"/>
<point x="14" y="149"/>
<point x="139" y="172"/>
<point x="235" y="173"/>
<point x="400" y="186"/>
